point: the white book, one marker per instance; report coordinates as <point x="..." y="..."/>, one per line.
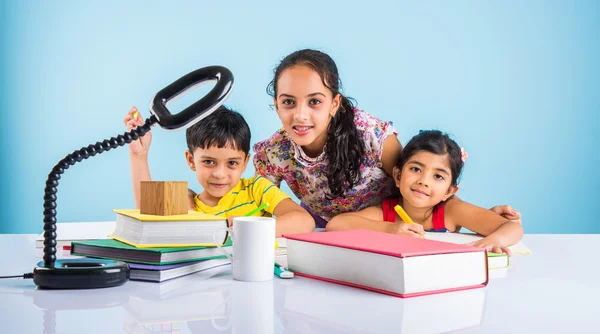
<point x="78" y="231"/>
<point x="465" y="238"/>
<point x="153" y="273"/>
<point x="191" y="229"/>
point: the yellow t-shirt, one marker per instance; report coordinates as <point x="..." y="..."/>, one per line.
<point x="246" y="196"/>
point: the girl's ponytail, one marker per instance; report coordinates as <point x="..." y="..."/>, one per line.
<point x="345" y="150"/>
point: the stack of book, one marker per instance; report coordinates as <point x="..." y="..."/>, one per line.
<point x="160" y="248"/>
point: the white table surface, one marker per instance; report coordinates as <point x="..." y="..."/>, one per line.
<point x="554" y="290"/>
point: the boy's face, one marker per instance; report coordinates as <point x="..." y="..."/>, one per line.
<point x="218" y="170"/>
<point x="425" y="179"/>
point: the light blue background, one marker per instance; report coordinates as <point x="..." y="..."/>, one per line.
<point x="515" y="82"/>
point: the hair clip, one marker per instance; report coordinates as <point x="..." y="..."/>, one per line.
<point x="463" y="154"/>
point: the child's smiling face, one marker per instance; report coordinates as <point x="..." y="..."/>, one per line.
<point x="305" y="107"/>
<point x="425" y="179"/>
<point x="218" y="170"/>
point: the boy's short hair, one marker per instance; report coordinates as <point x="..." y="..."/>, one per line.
<point x="222" y="128"/>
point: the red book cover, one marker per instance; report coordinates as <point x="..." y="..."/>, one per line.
<point x="386" y="244"/>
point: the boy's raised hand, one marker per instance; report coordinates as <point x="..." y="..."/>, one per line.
<point x="141" y="146"/>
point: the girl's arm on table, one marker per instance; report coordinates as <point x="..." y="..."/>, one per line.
<point x="499" y="232"/>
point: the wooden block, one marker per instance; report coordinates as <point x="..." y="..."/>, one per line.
<point x="164" y="198"/>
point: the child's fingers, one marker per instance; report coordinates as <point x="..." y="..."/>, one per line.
<point x="412" y="234"/>
<point x="505" y="210"/>
<point x="500" y="250"/>
<point x="131" y="124"/>
<point x="136" y="114"/>
<point x="512" y="216"/>
<point x="416" y="228"/>
<point x="130" y="115"/>
<point x="133" y="113"/>
<point x="480" y="244"/>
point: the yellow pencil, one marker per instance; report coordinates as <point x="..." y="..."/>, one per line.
<point x="404" y="216"/>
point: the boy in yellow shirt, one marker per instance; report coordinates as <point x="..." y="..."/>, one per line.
<point x="218" y="152"/>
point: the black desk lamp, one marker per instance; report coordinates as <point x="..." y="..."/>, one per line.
<point x="97" y="273"/>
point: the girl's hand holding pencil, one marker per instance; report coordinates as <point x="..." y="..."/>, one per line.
<point x="410" y="230"/>
<point x="408" y="226"/>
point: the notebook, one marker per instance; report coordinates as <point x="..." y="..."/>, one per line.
<point x="465" y="238"/>
<point x="154" y="273"/>
<point x="113" y="249"/>
<point x="497" y="261"/>
<point x="68" y="232"/>
<point x="387" y="263"/>
<point x="191" y="229"/>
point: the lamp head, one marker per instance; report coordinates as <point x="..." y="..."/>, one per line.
<point x="199" y="109"/>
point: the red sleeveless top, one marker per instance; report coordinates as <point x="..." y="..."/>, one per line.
<point x="389" y="214"/>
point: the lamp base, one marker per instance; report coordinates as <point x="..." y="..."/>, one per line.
<point x="81" y="274"/>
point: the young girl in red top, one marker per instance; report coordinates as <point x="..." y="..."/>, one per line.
<point x="427" y="178"/>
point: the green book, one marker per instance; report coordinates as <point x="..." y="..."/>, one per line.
<point x="496" y="260"/>
<point x="116" y="250"/>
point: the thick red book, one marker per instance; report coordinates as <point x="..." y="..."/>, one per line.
<point x="387" y="263"/>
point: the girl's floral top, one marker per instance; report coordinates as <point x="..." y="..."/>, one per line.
<point x="278" y="159"/>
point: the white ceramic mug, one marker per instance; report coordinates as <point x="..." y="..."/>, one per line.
<point x="253" y="248"/>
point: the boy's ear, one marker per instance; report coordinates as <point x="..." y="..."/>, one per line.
<point x="451" y="191"/>
<point x="246" y="160"/>
<point x="335" y="105"/>
<point x="189" y="158"/>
